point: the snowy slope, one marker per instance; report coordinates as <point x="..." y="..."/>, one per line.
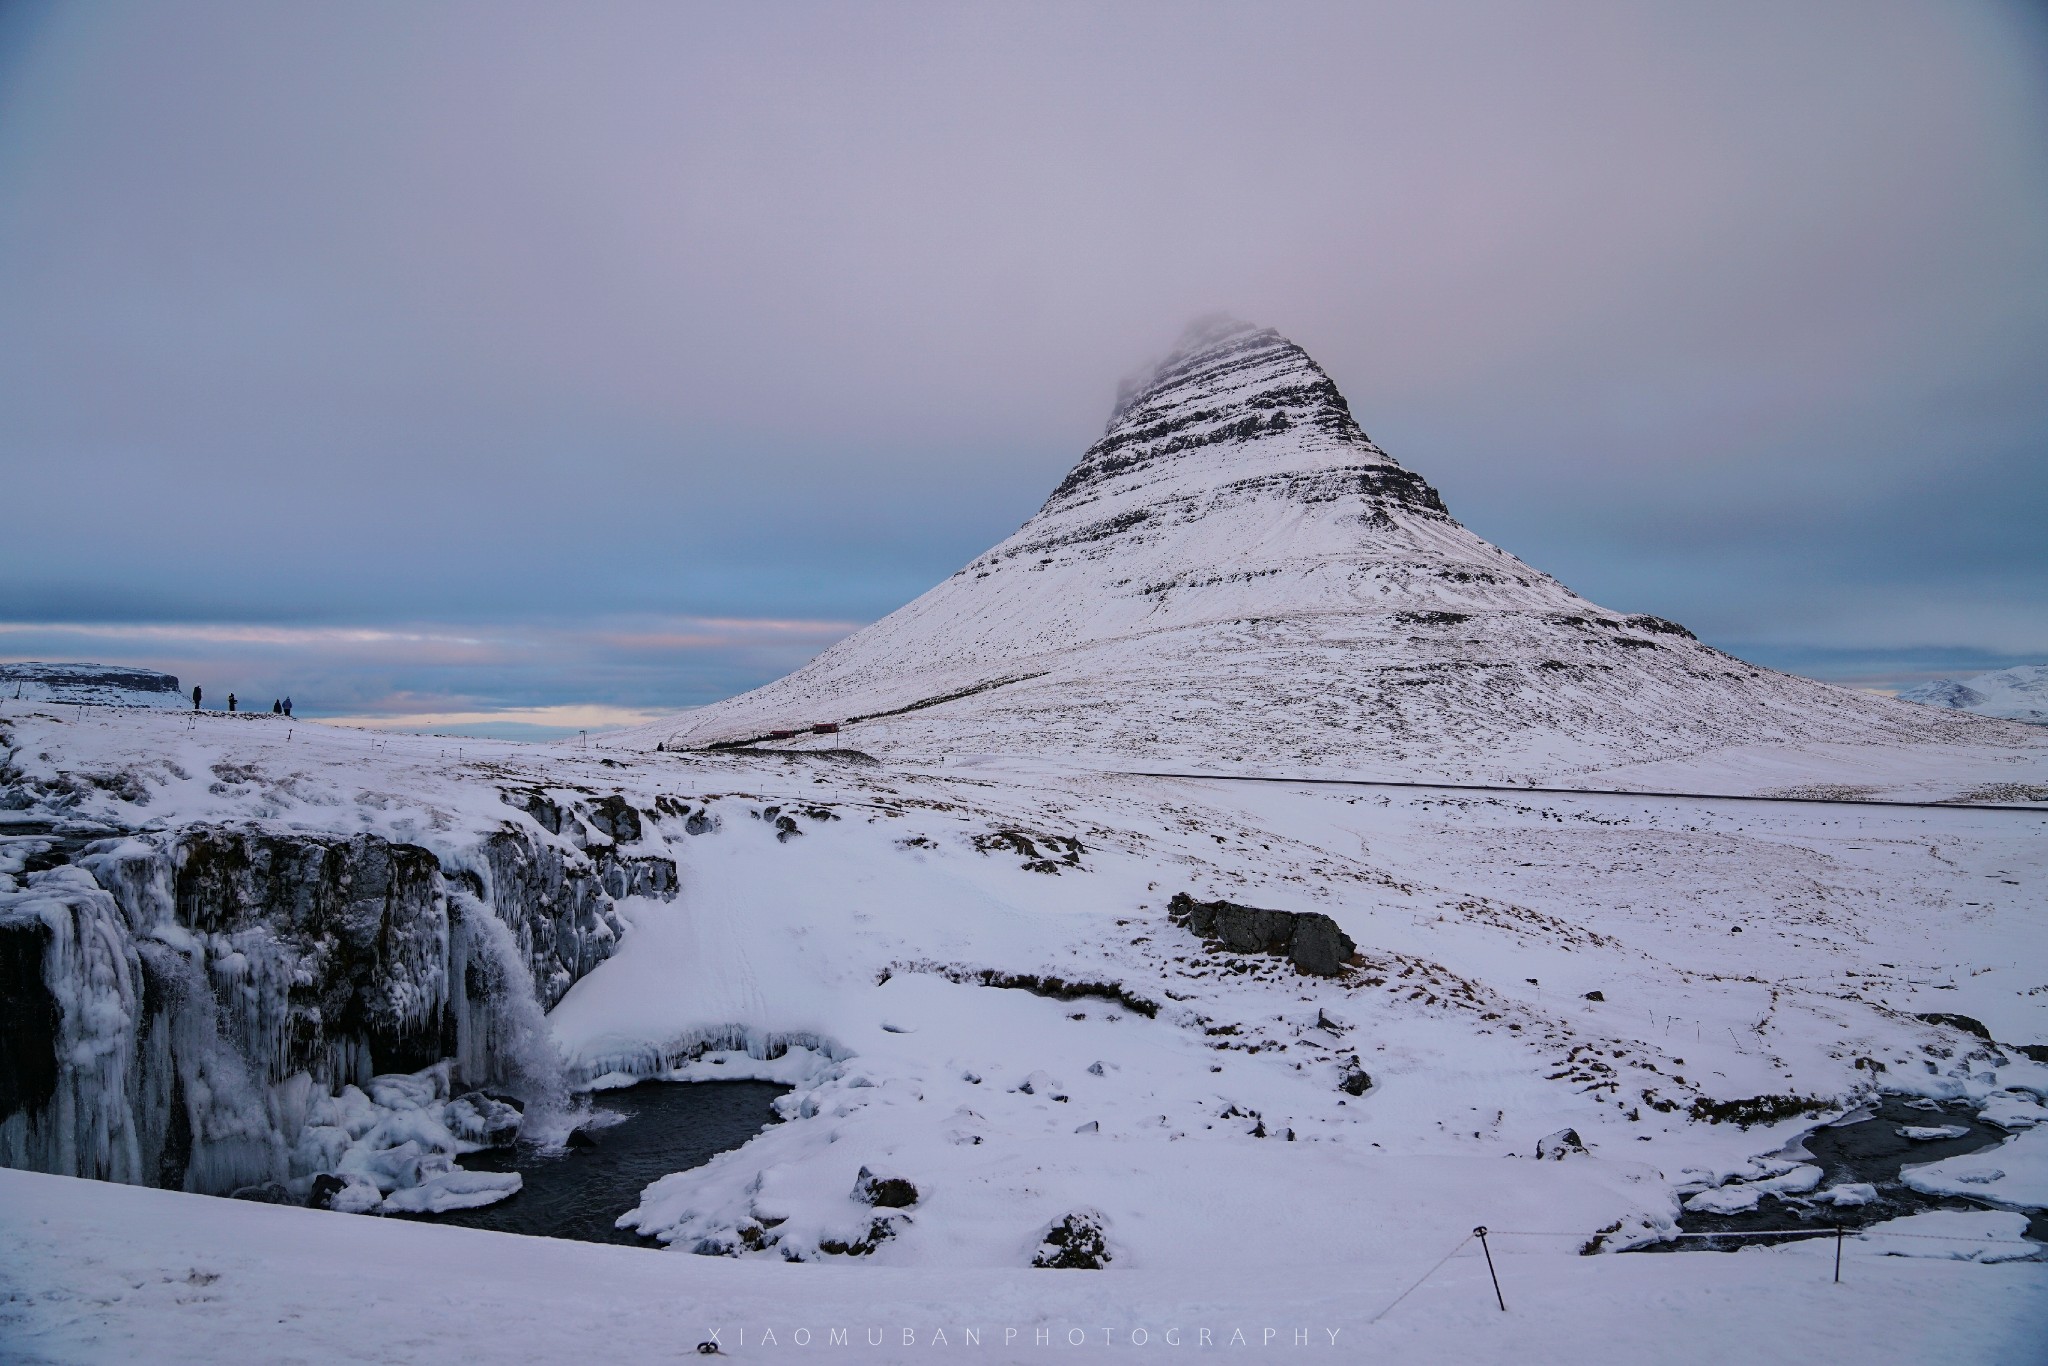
<point x="98" y="685"/>
<point x="107" y="1273"/>
<point x="882" y="937"/>
<point x="1236" y="578"/>
<point x="841" y="916"/>
<point x="2016" y="694"/>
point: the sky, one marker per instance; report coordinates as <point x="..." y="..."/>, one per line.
<point x="517" y="368"/>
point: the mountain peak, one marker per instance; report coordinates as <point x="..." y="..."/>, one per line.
<point x="1232" y="384"/>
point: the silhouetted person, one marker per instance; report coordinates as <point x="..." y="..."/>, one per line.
<point x="195" y="697"/>
<point x="276" y="707"/>
<point x="287" y="706"/>
<point x="231" y="702"/>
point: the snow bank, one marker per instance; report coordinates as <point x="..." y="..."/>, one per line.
<point x="1954" y="1235"/>
<point x="2014" y="1175"/>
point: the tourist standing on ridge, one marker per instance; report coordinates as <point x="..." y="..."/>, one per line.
<point x="287" y="706"/>
<point x="231" y="703"/>
<point x="195" y="697"/>
<point x="276" y="706"/>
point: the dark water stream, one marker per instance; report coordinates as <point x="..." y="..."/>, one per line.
<point x="1871" y="1151"/>
<point x="668" y="1127"/>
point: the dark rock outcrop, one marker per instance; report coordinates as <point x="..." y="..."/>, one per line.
<point x="558" y="902"/>
<point x="1231" y="382"/>
<point x="878" y="1232"/>
<point x="1052" y="987"/>
<point x="265" y="1193"/>
<point x="1074" y="1243"/>
<point x="1560" y="1145"/>
<point x="1965" y="1023"/>
<point x="545" y="810"/>
<point x="28" y="1017"/>
<point x="1057" y="851"/>
<point x="339" y="944"/>
<point x="616" y="819"/>
<point x="325" y="1187"/>
<point x="884" y="1192"/>
<point x="1309" y="939"/>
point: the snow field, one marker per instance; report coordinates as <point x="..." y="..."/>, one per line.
<point x="102" y="1272"/>
<point x="852" y="952"/>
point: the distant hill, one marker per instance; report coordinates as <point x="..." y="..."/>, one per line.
<point x="96" y="685"/>
<point x="2016" y="694"/>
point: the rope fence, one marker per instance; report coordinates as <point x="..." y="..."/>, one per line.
<point x="1425" y="1276"/>
<point x="1829" y="1232"/>
<point x="1841" y="1233"/>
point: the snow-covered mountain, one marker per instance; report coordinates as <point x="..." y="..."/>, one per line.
<point x="97" y="685"/>
<point x="2016" y="694"/>
<point x="1236" y="577"/>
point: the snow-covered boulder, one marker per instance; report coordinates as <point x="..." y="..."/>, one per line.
<point x="453" y="1190"/>
<point x="1075" y="1242"/>
<point x="1739" y="1199"/>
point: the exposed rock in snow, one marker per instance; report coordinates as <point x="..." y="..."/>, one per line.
<point x="1074" y="1243"/>
<point x="1040" y="1083"/>
<point x="1308" y="939"/>
<point x="884" y="1192"/>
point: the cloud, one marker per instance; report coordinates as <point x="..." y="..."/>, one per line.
<point x="559" y="720"/>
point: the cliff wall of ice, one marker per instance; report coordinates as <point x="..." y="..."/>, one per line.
<point x="180" y="1006"/>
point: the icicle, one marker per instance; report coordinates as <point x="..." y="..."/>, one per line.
<point x="90" y="970"/>
<point x="502" y="1035"/>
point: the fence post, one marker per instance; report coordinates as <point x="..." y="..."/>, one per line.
<point x="1838" y="1254"/>
<point x="1480" y="1234"/>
